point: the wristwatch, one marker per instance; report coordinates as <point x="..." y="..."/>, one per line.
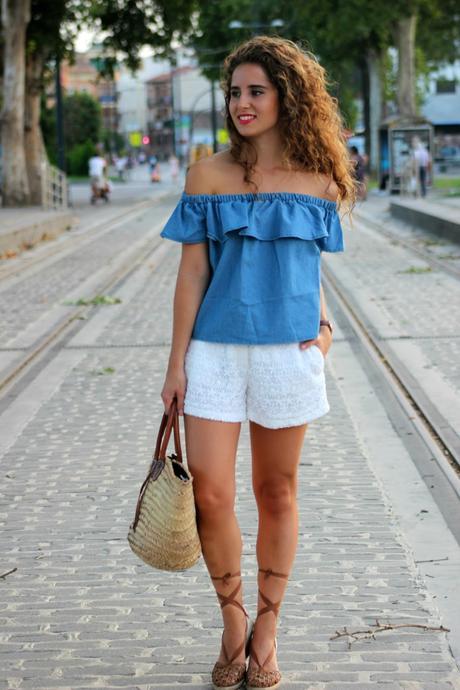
<point x="327" y="323"/>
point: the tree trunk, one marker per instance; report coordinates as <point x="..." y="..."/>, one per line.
<point x="405" y="43"/>
<point x="374" y="67"/>
<point x="34" y="146"/>
<point x="15" y="17"/>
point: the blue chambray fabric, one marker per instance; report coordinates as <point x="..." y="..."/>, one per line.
<point x="264" y="252"/>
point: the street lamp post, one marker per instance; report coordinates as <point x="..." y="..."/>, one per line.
<point x="213" y="116"/>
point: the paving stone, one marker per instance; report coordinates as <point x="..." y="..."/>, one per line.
<point x="82" y="612"/>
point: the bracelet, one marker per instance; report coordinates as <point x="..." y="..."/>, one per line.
<point x="327" y="323"/>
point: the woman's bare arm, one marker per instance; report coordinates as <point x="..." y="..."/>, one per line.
<point x="191" y="284"/>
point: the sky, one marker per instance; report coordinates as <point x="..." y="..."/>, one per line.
<point x="86" y="37"/>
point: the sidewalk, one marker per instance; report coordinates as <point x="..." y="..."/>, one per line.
<point x="81" y="612"/>
<point x="435" y="214"/>
<point x="23" y="228"/>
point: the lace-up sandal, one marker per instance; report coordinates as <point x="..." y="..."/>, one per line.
<point x="256" y="676"/>
<point x="230" y="675"/>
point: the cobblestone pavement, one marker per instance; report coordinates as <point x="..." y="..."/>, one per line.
<point x="25" y="302"/>
<point x="82" y="612"/>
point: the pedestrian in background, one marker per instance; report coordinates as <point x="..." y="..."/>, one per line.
<point x="421" y="164"/>
<point x="250" y="329"/>
<point x="173" y="167"/>
<point x="359" y="173"/>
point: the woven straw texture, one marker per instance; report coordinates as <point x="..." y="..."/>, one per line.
<point x="166" y="535"/>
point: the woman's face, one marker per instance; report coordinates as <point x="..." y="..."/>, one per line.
<point x="254" y="103"/>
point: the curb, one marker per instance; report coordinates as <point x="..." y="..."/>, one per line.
<point x="48" y="228"/>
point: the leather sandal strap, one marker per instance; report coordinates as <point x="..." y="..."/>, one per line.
<point x="269" y="572"/>
<point x="269" y="606"/>
<point x="269" y="657"/>
<point x="226" y="599"/>
<point x="235" y="654"/>
<point x="225" y="578"/>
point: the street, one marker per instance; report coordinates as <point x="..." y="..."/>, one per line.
<point x="378" y="535"/>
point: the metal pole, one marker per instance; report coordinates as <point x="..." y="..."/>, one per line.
<point x="173" y="116"/>
<point x="213" y="116"/>
<point x="59" y="119"/>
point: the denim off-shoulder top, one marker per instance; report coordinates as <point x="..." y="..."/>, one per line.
<point x="264" y="252"/>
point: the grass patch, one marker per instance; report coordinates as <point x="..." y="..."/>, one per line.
<point x="417" y="269"/>
<point x="95" y="301"/>
<point x="103" y="372"/>
<point x="448" y="186"/>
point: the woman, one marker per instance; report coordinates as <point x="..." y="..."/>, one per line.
<point x="250" y="328"/>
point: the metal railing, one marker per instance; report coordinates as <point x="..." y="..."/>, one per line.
<point x="54" y="187"/>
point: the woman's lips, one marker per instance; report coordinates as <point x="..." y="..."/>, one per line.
<point x="246" y="119"/>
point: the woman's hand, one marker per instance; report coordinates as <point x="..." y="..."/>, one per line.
<point x="323" y="341"/>
<point x="174" y="387"/>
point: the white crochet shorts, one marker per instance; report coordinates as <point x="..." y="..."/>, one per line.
<point x="273" y="385"/>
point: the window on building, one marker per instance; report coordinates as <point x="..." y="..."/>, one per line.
<point x="446" y="85"/>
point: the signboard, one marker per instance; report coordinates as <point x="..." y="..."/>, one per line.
<point x="222" y="136"/>
<point x="135" y="139"/>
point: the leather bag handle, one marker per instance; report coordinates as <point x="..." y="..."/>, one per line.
<point x="170" y="422"/>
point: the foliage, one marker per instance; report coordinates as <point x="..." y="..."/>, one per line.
<point x="131" y="24"/>
<point x="78" y="157"/>
<point x="340" y="34"/>
<point x="82" y="119"/>
<point x="82" y="130"/>
<point x="112" y="141"/>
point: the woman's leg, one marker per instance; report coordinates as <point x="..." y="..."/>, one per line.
<point x="211" y="455"/>
<point x="275" y="459"/>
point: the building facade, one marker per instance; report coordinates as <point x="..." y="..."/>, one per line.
<point x="179" y="111"/>
<point x="442" y="109"/>
<point x="82" y="76"/>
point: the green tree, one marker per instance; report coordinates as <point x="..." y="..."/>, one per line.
<point x="51" y="34"/>
<point x="82" y="119"/>
<point x="51" y="27"/>
<point x="15" y="17"/>
<point x="130" y="25"/>
<point x="82" y="130"/>
<point x="351" y="40"/>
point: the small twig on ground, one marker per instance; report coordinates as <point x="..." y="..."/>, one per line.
<point x="8" y="572"/>
<point x="380" y="627"/>
<point x="434" y="560"/>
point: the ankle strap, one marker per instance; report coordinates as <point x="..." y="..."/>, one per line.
<point x="270" y="606"/>
<point x="230" y="599"/>
<point x="269" y="572"/>
<point x="225" y="578"/>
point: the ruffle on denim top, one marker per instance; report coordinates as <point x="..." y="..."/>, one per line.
<point x="264" y="252"/>
<point x="266" y="216"/>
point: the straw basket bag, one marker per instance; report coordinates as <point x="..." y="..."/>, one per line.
<point x="164" y="533"/>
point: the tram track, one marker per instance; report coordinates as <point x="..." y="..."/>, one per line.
<point x="54" y="338"/>
<point x="411" y="245"/>
<point x="430" y="441"/>
<point x="46" y="254"/>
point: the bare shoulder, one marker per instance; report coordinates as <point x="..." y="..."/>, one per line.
<point x="207" y="175"/>
<point x="327" y="188"/>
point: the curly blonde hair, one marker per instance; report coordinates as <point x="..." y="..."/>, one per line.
<point x="309" y="119"/>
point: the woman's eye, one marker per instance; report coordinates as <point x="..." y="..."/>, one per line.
<point x="234" y="94"/>
<point x="256" y="92"/>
